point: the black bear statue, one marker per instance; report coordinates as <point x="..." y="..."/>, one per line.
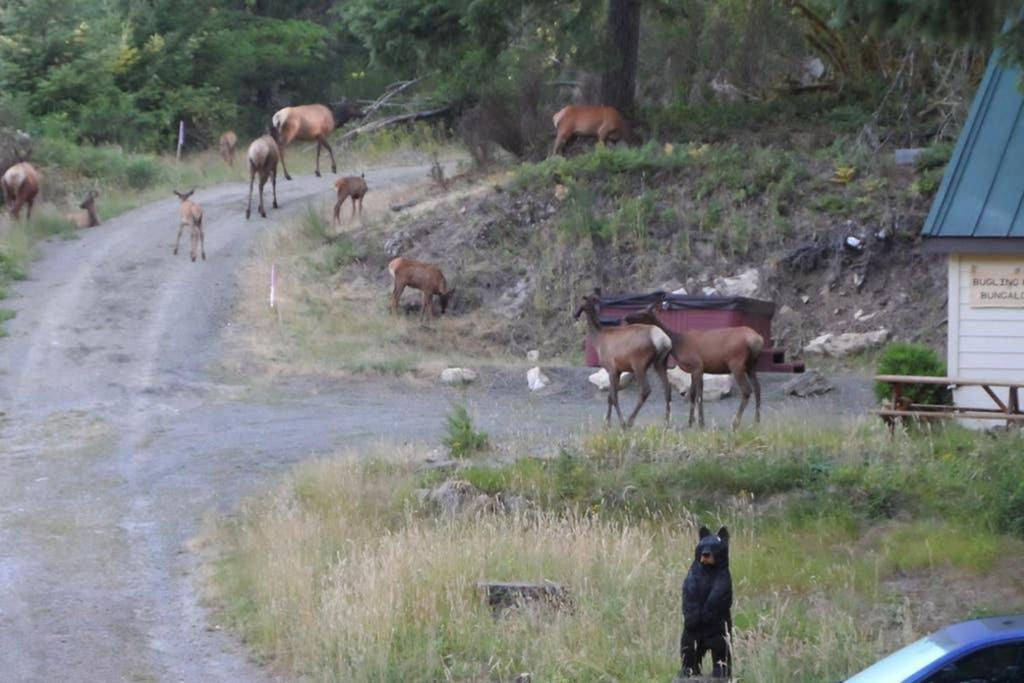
<point x="707" y="607"/>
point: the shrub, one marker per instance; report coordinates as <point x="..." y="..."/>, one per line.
<point x="912" y="359"/>
<point x="461" y="437"/>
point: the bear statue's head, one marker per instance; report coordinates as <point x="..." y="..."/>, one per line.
<point x="713" y="549"/>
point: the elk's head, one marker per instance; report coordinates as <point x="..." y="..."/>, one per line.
<point x="445" y="298"/>
<point x="344" y="111"/>
<point x="587" y="305"/>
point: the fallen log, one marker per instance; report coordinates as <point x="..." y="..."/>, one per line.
<point x="395" y="120"/>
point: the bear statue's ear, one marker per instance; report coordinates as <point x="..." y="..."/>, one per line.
<point x="723" y="534"/>
<point x="704" y="532"/>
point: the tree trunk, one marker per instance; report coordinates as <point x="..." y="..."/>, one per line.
<point x="618" y="83"/>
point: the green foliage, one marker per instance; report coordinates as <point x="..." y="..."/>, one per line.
<point x="461" y="437"/>
<point x="903" y="358"/>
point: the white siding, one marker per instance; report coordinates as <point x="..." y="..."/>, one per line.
<point x="983" y="342"/>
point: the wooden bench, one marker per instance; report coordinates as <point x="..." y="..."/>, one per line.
<point x="900" y="407"/>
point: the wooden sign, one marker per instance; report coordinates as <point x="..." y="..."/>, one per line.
<point x="997" y="285"/>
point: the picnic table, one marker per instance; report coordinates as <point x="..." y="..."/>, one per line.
<point x="901" y="407"/>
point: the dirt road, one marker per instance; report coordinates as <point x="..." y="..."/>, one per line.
<point x="118" y="437"/>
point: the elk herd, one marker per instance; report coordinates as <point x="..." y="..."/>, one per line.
<point x="640" y="343"/>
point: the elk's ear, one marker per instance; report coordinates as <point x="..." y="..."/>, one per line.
<point x="723" y="534"/>
<point x="703" y="532"/>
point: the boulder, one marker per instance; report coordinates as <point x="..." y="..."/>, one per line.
<point x="454" y="496"/>
<point x="458" y="376"/>
<point x="716" y="387"/>
<point x="533" y="355"/>
<point x="600" y="379"/>
<point x="536" y="379"/>
<point x="839" y="345"/>
<point x="679" y="380"/>
<point x="810" y="383"/>
<point x="745" y="284"/>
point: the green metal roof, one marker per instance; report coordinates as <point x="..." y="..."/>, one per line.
<point x="982" y="191"/>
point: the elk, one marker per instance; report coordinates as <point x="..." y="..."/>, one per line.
<point x="310" y="122"/>
<point x="87" y="217"/>
<point x="604" y="123"/>
<point x="262" y="155"/>
<point x="426" y="277"/>
<point x="350" y="186"/>
<point x="190" y="216"/>
<point x="227" y="147"/>
<point x="21" y="185"/>
<point x="727" y="350"/>
<point x="632" y="348"/>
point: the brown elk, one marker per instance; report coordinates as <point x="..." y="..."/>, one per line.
<point x="604" y="123"/>
<point x="190" y="216"/>
<point x="629" y="348"/>
<point x="87" y="217"/>
<point x="727" y="350"/>
<point x="350" y="186"/>
<point x="426" y="277"/>
<point x="262" y="155"/>
<point x="21" y="185"/>
<point x="227" y="147"/>
<point x="310" y="122"/>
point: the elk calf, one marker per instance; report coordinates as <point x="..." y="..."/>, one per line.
<point x="227" y="147"/>
<point x="262" y="155"/>
<point x="190" y="216"/>
<point x="350" y="186"/>
<point x="604" y="123"/>
<point x="21" y="185"/>
<point x="87" y="217"/>
<point x="426" y="277"/>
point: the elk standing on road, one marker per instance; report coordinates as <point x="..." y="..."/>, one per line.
<point x="605" y="123"/>
<point x="21" y="185"/>
<point x="727" y="350"/>
<point x="87" y="217"/>
<point x="310" y="122"/>
<point x="350" y="186"/>
<point x="190" y="217"/>
<point x="262" y="155"/>
<point x="426" y="277"/>
<point x="628" y="348"/>
<point x="227" y="147"/>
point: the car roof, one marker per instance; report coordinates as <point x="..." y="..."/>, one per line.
<point x="979" y="631"/>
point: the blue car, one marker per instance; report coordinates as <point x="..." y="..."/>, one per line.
<point x="989" y="650"/>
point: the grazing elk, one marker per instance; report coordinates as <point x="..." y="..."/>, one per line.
<point x="629" y="348"/>
<point x="190" y="216"/>
<point x="227" y="147"/>
<point x="21" y="185"/>
<point x="262" y="155"/>
<point x="604" y="123"/>
<point x="87" y="216"/>
<point x="350" y="186"/>
<point x="426" y="277"/>
<point x="310" y="122"/>
<point x="727" y="350"/>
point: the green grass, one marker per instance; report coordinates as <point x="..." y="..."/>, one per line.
<point x="342" y="573"/>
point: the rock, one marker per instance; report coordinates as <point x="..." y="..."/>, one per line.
<point x="805" y="298"/>
<point x="453" y="496"/>
<point x="745" y="284"/>
<point x="812" y="70"/>
<point x="862" y="316"/>
<point x="533" y="355"/>
<point x="908" y="156"/>
<point x="810" y="383"/>
<point x="397" y="243"/>
<point x="709" y="291"/>
<point x="561" y="192"/>
<point x="456" y="376"/>
<point x="600" y="379"/>
<point x="785" y="310"/>
<point x="716" y="387"/>
<point x="501" y="595"/>
<point x="724" y="90"/>
<point x="670" y="285"/>
<point x="681" y="291"/>
<point x="536" y="379"/>
<point x="511" y="302"/>
<point x="839" y="345"/>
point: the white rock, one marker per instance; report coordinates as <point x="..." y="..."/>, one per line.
<point x="600" y="379"/>
<point x="536" y="379"/>
<point x="715" y="386"/>
<point x="680" y="292"/>
<point x="679" y="380"/>
<point x="533" y="355"/>
<point x="458" y="376"/>
<point x="839" y="345"/>
<point x="709" y="291"/>
<point x="785" y="310"/>
<point x="745" y="284"/>
<point x="805" y="298"/>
